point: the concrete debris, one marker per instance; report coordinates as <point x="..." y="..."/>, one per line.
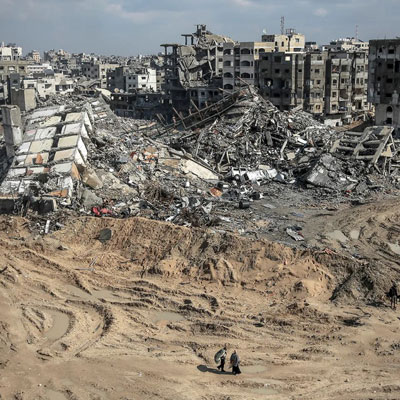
<point x="220" y="167"/>
<point x="90" y="178"/>
<point x="89" y="199"/>
<point x="294" y="234"/>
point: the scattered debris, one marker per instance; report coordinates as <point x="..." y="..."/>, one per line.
<point x="294" y="234"/>
<point x="221" y="166"/>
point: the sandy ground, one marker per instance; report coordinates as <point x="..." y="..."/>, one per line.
<point x="142" y="315"/>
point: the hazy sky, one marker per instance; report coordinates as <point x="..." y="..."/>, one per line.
<point x="130" y="27"/>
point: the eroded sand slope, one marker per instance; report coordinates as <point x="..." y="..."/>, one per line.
<point x="141" y="316"/>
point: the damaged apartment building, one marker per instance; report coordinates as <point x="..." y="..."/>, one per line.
<point x="193" y="72"/>
<point x="241" y="59"/>
<point x="46" y="156"/>
<point x="96" y="70"/>
<point x="331" y="85"/>
<point x="384" y="81"/>
<point x="135" y="91"/>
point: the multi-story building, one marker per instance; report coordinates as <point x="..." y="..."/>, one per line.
<point x="34" y="55"/>
<point x="384" y="81"/>
<point x="240" y="63"/>
<point x="346" y="44"/>
<point x="346" y="84"/>
<point x="97" y="70"/>
<point x="192" y="67"/>
<point x="44" y="87"/>
<point x="11" y="52"/>
<point x="11" y="72"/>
<point x="48" y="85"/>
<point x="331" y="85"/>
<point x="39" y="68"/>
<point x="128" y="79"/>
<point x="314" y="82"/>
<point x="281" y="79"/>
<point x="116" y="78"/>
<point x="13" y="67"/>
<point x="144" y="80"/>
<point x="291" y="42"/>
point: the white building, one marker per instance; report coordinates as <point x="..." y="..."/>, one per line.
<point x="147" y="80"/>
<point x="11" y="52"/>
<point x="44" y="86"/>
<point x="346" y="44"/>
<point x="38" y="68"/>
<point x="51" y="85"/>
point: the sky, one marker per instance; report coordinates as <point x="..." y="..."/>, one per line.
<point x="131" y="27"/>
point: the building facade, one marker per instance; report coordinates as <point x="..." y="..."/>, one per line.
<point x="96" y="70"/>
<point x="330" y="85"/>
<point x="291" y="42"/>
<point x="281" y="79"/>
<point x="384" y="81"/>
<point x="34" y="55"/>
<point x="346" y="44"/>
<point x="240" y="64"/>
<point x="10" y="52"/>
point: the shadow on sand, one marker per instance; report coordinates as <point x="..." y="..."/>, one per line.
<point x="204" y="368"/>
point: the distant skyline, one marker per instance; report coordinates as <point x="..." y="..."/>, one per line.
<point x="132" y="27"/>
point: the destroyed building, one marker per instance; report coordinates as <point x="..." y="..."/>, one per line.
<point x="10" y="52"/>
<point x="132" y="78"/>
<point x="281" y="79"/>
<point x="346" y="88"/>
<point x="96" y="70"/>
<point x="50" y="150"/>
<point x="314" y="83"/>
<point x="205" y="169"/>
<point x="138" y="105"/>
<point x="193" y="72"/>
<point x="384" y="81"/>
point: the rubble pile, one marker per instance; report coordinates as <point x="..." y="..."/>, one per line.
<point x="218" y="171"/>
<point x="254" y="141"/>
<point x="255" y="136"/>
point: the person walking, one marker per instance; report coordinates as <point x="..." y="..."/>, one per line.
<point x="235" y="361"/>
<point x="393" y="295"/>
<point x="222" y="359"/>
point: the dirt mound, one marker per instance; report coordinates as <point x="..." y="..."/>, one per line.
<point x="370" y="235"/>
<point x="150" y="247"/>
<point x="147" y="308"/>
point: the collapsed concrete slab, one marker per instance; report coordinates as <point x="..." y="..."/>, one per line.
<point x="49" y="151"/>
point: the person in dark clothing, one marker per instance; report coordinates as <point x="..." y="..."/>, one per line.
<point x="393" y="294"/>
<point x="222" y="360"/>
<point x="235" y="361"/>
